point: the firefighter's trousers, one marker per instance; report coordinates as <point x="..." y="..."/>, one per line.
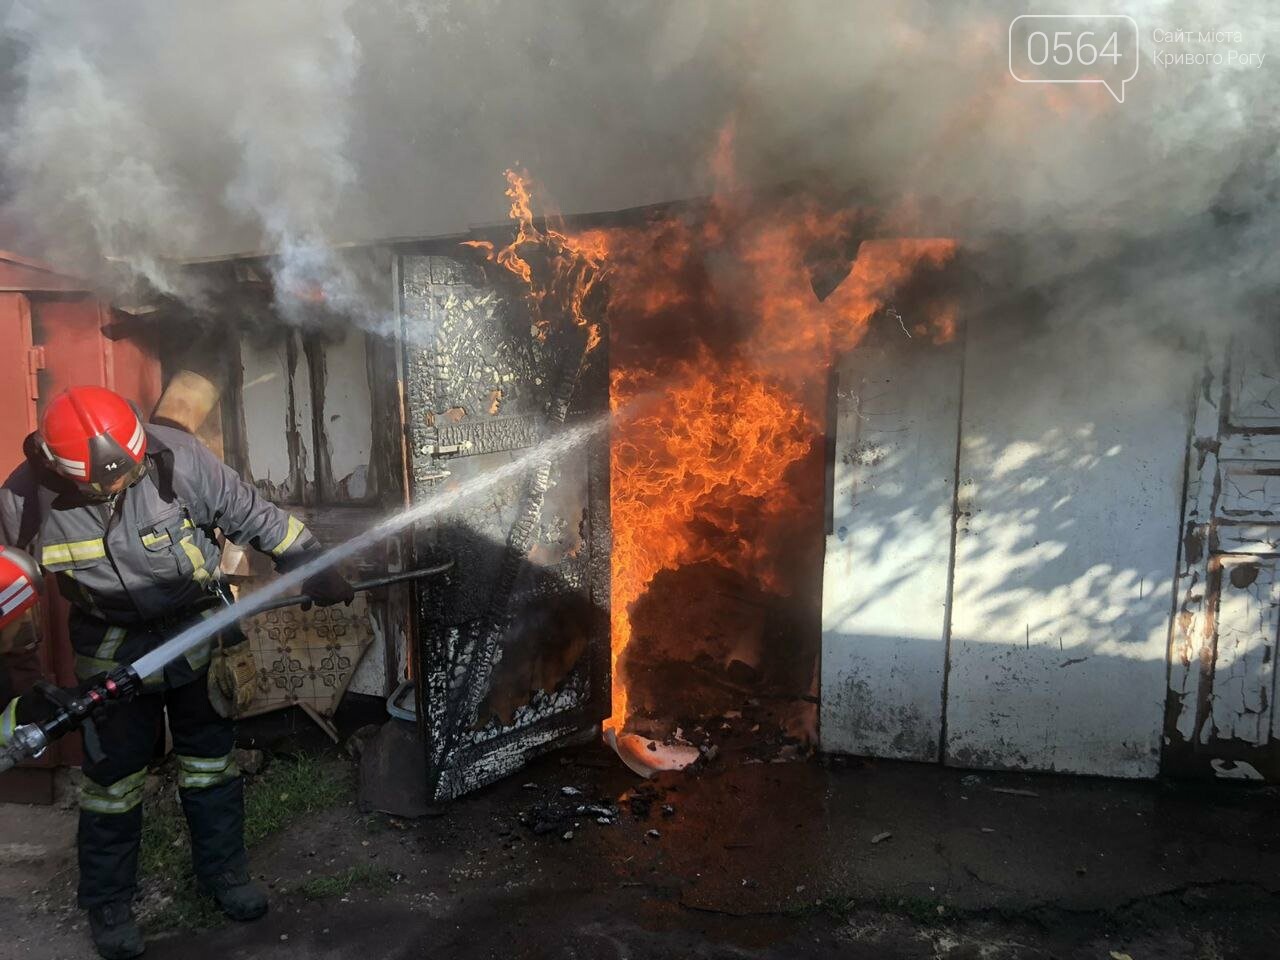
<point x="209" y="785"/>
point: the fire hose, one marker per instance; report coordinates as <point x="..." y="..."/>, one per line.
<point x="72" y="710"/>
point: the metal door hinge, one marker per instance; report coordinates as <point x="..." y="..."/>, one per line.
<point x="35" y="363"/>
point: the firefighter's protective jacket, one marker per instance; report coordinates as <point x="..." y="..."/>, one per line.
<point x="135" y="567"/>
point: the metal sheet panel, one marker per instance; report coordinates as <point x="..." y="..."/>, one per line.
<point x="18" y="390"/>
<point x="884" y="594"/>
<point x="1071" y="476"/>
<point x="1254" y="381"/>
<point x="23" y="275"/>
<point x="309" y="431"/>
<point x="278" y="428"/>
<point x="18" y="393"/>
<point x="1245" y="649"/>
<point x="513" y="649"/>
<point x="73" y="350"/>
<point x="347" y="421"/>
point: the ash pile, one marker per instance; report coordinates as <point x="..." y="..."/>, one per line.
<point x="569" y="810"/>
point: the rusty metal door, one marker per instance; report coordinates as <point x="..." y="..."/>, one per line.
<point x="1220" y="716"/>
<point x="512" y="652"/>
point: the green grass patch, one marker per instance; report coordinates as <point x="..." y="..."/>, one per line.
<point x="336" y="884"/>
<point x="290" y="788"/>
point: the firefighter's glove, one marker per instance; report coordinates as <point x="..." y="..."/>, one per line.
<point x="34" y="707"/>
<point x="327" y="588"/>
<point x="9" y="721"/>
<point x="54" y="699"/>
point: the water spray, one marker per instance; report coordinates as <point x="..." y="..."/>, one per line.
<point x="72" y="711"/>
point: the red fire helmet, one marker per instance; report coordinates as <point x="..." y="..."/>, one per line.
<point x="94" y="437"/>
<point x="20" y="584"/>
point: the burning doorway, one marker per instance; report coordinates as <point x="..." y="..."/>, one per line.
<point x="722" y="344"/>
<point x="721" y="320"/>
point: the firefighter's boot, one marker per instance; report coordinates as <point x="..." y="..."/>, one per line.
<point x="115" y="934"/>
<point x="239" y="897"/>
<point x="109" y="837"/>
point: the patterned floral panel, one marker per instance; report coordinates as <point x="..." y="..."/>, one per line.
<point x="307" y="656"/>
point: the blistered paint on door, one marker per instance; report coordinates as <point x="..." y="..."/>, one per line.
<point x="1221" y="717"/>
<point x="513" y="643"/>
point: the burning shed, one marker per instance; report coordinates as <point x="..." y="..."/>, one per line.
<point x="777" y="365"/>
<point x="876" y="397"/>
<point x="438" y="361"/>
<point x="877" y="411"/>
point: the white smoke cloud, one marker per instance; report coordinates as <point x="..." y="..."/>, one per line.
<point x="149" y="131"/>
<point x="292" y="128"/>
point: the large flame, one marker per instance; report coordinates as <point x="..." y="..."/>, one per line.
<point x="701" y="447"/>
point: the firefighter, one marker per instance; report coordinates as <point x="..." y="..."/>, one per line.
<point x="19" y="662"/>
<point x="20" y="587"/>
<point x="123" y="514"/>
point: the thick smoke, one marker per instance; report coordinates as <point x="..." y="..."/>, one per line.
<point x="147" y="131"/>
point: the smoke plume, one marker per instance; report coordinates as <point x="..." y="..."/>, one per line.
<point x="148" y="132"/>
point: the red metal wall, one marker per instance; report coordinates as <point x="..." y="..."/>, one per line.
<point x="57" y="341"/>
<point x="17" y="383"/>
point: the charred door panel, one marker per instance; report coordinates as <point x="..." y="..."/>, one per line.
<point x="1220" y="717"/>
<point x="513" y="647"/>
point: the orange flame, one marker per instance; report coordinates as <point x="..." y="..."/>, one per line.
<point x="712" y="444"/>
<point x="719" y="432"/>
<point x="572" y="268"/>
<point x="701" y="446"/>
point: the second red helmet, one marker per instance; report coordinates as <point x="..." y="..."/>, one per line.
<point x="20" y="584"/>
<point x="94" y="437"/>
